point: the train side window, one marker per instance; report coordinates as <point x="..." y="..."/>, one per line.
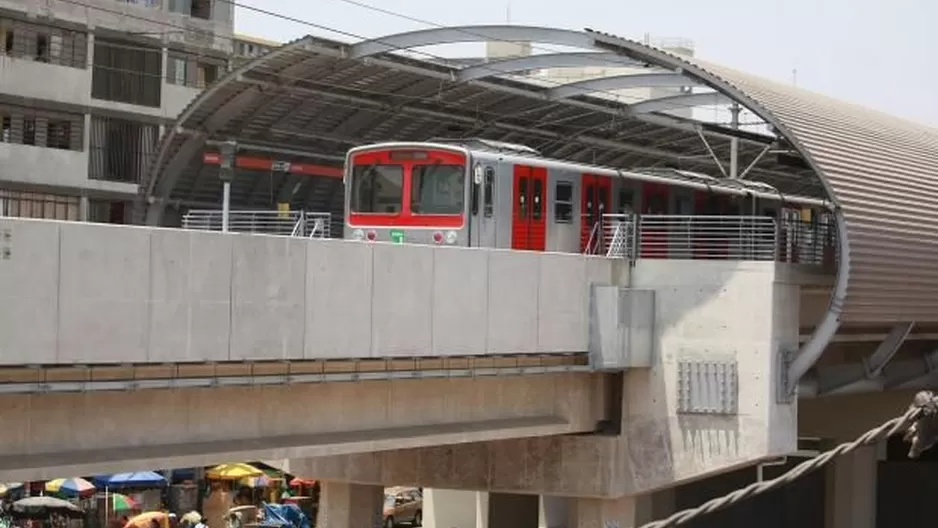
<point x="626" y="201"/>
<point x="563" y="203"/>
<point x="522" y="198"/>
<point x="489" y="194"/>
<point x="474" y="199"/>
<point x="538" y="199"/>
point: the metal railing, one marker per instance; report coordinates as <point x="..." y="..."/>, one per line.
<point x="632" y="236"/>
<point x="293" y="223"/>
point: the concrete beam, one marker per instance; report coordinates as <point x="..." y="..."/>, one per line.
<point x="70" y="434"/>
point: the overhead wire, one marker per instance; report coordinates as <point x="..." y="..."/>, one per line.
<point x="919" y="423"/>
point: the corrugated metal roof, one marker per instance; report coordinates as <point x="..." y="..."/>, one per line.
<point x="882" y="171"/>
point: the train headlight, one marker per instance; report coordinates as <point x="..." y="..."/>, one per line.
<point x="451" y="237"/>
<point x="371" y="236"/>
<point x="358" y="234"/>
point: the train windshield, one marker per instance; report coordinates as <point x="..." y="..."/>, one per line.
<point x="438" y="189"/>
<point x="377" y="189"/>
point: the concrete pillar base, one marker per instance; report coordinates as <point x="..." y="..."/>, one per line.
<point x="344" y="505"/>
<point x="851" y="490"/>
<point x="602" y="513"/>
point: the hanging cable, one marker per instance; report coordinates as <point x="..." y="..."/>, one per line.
<point x="920" y="424"/>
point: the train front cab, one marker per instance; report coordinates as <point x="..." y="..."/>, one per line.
<point x="407" y="194"/>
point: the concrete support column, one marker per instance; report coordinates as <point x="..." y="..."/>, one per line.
<point x="84" y="208"/>
<point x="512" y="510"/>
<point x="603" y="513"/>
<point x="448" y="508"/>
<point x="851" y="490"/>
<point x="344" y="505"/>
<point x="655" y="506"/>
<point x="554" y="512"/>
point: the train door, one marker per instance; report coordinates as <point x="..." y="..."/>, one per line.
<point x="653" y="233"/>
<point x="529" y="221"/>
<point x="483" y="227"/>
<point x="595" y="201"/>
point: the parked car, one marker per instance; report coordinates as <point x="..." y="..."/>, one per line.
<point x="403" y="505"/>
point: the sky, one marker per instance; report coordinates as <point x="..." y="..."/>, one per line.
<point x="876" y="53"/>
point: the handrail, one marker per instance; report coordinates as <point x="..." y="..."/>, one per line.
<point x="721" y="237"/>
<point x="269" y="222"/>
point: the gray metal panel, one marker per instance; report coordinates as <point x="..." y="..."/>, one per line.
<point x="707" y="387"/>
<point x="427" y="37"/>
<point x="674" y="102"/>
<point x="622" y="327"/>
<point x="621" y="82"/>
<point x="545" y="60"/>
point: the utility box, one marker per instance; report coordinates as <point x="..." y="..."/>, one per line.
<point x="622" y="327"/>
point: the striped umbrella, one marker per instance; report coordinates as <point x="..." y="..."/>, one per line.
<point x="72" y="486"/>
<point x="120" y="502"/>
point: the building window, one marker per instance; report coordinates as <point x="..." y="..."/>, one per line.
<point x="176" y="71"/>
<point x="126" y="73"/>
<point x="192" y="71"/>
<point x="201" y="9"/>
<point x="563" y="203"/>
<point x="7" y="38"/>
<point x="38" y="205"/>
<point x="29" y="131"/>
<point x="120" y="149"/>
<point x="42" y="48"/>
<point x="59" y="134"/>
<point x="41" y="128"/>
<point x="193" y="8"/>
<point x="43" y="43"/>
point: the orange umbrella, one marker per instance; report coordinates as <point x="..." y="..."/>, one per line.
<point x="145" y="520"/>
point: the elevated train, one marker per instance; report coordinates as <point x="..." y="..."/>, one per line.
<point x="481" y="193"/>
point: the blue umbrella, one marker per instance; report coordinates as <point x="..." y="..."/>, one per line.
<point x="143" y="479"/>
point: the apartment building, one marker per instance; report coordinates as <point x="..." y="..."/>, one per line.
<point x="86" y="89"/>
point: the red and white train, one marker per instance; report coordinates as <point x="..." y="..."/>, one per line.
<point x="482" y="193"/>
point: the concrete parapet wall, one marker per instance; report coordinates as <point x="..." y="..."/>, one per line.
<point x="90" y="293"/>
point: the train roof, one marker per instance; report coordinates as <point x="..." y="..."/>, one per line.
<point x="663" y="175"/>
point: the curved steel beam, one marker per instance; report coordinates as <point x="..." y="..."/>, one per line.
<point x="453" y="35"/>
<point x="674" y="102"/>
<point x="808" y="354"/>
<point x="620" y="82"/>
<point x="546" y="60"/>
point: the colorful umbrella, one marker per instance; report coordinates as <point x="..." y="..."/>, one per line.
<point x="297" y="482"/>
<point x="121" y="502"/>
<point x="9" y="486"/>
<point x="233" y="472"/>
<point x="72" y="487"/>
<point x="43" y="507"/>
<point x="143" y="479"/>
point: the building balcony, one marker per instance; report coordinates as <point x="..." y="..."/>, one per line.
<point x="33" y="79"/>
<point x="54" y="168"/>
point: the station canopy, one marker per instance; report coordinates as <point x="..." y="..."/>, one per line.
<point x="311" y="100"/>
<point x="296" y="111"/>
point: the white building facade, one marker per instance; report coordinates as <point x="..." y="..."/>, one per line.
<point x="86" y="89"/>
